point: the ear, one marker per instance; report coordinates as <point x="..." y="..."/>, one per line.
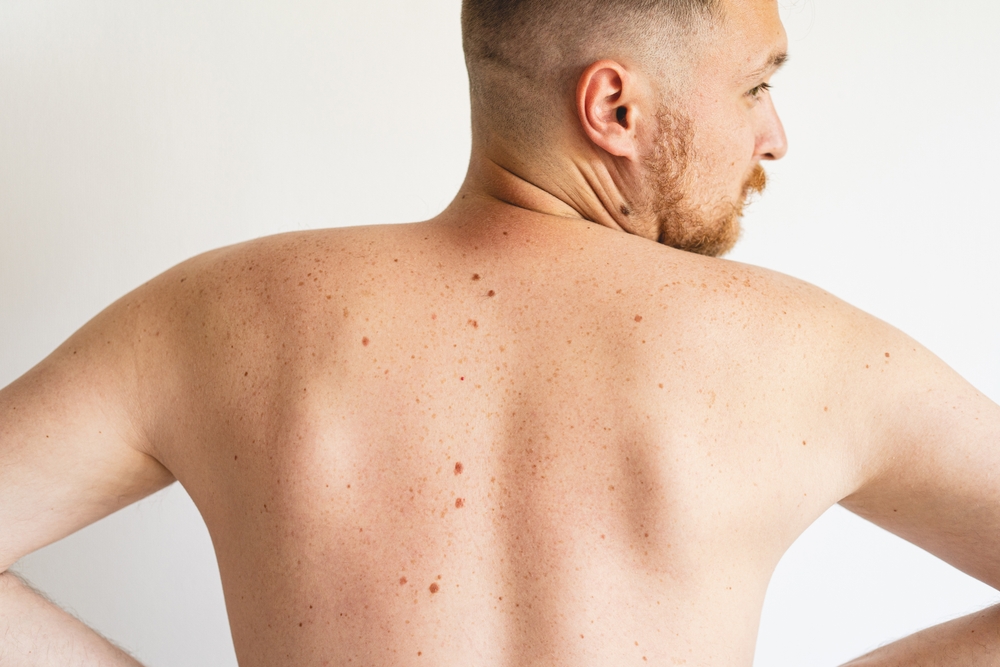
<point x="607" y="103"/>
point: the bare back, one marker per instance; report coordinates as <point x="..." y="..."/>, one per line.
<point x="494" y="444"/>
<point x="496" y="439"/>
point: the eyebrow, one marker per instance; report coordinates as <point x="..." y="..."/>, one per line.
<point x="775" y="62"/>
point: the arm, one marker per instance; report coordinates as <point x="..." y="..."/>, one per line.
<point x="36" y="632"/>
<point x="972" y="640"/>
<point x="932" y="476"/>
<point x="73" y="449"/>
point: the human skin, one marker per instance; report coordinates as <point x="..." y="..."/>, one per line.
<point x="642" y="432"/>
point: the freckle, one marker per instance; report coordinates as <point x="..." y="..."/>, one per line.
<point x="300" y="285"/>
<point x="474" y="324"/>
<point x="236" y="458"/>
<point x="661" y="386"/>
<point x="459" y="468"/>
<point x="803" y="443"/>
<point x="611" y="488"/>
<point x="420" y="653"/>
<point x="402" y="581"/>
<point x="459" y="503"/>
<point x="365" y="341"/>
<point x="434" y="588"/>
<point x="491" y="293"/>
<point x="638" y="318"/>
<point x="476" y="276"/>
<point x="886" y="355"/>
<point x="246" y="374"/>
<point x="346" y="312"/>
<point x="329" y="296"/>
<point x="602" y="537"/>
<point x="826" y="409"/>
<point x="434" y="316"/>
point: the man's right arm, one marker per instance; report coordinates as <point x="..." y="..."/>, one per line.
<point x="73" y="449"/>
<point x="930" y="473"/>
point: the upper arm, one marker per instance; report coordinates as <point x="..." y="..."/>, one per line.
<point x="932" y="468"/>
<point x="72" y="442"/>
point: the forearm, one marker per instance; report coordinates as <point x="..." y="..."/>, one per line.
<point x="36" y="633"/>
<point x="967" y="642"/>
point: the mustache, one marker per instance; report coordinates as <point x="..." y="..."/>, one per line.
<point x="756" y="183"/>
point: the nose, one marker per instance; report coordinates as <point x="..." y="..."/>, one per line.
<point x="772" y="144"/>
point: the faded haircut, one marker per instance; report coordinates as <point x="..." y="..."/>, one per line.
<point x="525" y="56"/>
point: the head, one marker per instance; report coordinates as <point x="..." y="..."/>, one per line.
<point x="661" y="106"/>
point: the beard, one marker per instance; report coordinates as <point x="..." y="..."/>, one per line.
<point x="712" y="228"/>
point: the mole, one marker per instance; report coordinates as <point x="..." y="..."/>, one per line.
<point x="434" y="588"/>
<point x="459" y="468"/>
<point x="402" y="581"/>
<point x="491" y="294"/>
<point x="476" y="276"/>
<point x="365" y="341"/>
<point x="459" y="503"/>
<point x="638" y="318"/>
<point x="626" y="211"/>
<point x="474" y="324"/>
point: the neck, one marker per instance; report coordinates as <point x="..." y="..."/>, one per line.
<point x="581" y="189"/>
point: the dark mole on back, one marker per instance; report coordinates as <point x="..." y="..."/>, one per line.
<point x="476" y="276"/>
<point x="459" y="468"/>
<point x="434" y="588"/>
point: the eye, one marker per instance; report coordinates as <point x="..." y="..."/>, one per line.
<point x="756" y="91"/>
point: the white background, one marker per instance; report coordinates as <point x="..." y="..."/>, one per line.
<point x="136" y="134"/>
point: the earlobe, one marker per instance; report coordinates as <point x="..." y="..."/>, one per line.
<point x="606" y="106"/>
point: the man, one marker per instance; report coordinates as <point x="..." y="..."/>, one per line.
<point x="522" y="432"/>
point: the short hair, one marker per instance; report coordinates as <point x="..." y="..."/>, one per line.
<point x="522" y="55"/>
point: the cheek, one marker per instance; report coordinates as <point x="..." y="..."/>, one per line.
<point x="724" y="140"/>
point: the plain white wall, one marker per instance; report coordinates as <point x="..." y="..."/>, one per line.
<point x="136" y="134"/>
